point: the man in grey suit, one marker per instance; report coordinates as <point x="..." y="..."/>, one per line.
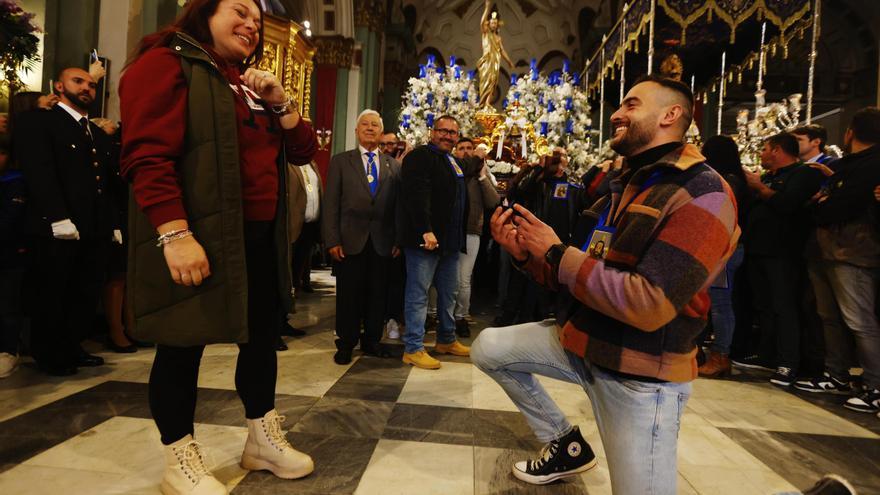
<point x="358" y="224"/>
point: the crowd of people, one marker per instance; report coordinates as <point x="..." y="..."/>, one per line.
<point x="200" y="222"/>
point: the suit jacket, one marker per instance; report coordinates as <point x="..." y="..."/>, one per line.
<point x="297" y="198"/>
<point x="350" y="214"/>
<point x="67" y="174"/>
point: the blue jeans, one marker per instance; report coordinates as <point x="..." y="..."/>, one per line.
<point x="721" y="294"/>
<point x="845" y="300"/>
<point x="638" y="421"/>
<point x="422" y="268"/>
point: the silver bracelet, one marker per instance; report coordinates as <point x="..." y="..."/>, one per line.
<point x="282" y="108"/>
<point x="171" y="236"/>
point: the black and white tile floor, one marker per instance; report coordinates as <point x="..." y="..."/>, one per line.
<point x="380" y="427"/>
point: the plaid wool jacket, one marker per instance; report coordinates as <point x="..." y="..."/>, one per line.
<point x="640" y="310"/>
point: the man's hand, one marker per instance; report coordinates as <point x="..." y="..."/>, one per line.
<point x="336" y="253"/>
<point x="534" y="235"/>
<point x="505" y="233"/>
<point x="827" y="172"/>
<point x="65" y="230"/>
<point x="117" y="236"/>
<point x="430" y="241"/>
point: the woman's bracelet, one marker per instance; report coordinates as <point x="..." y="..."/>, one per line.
<point x="282" y="108"/>
<point x="173" y="235"/>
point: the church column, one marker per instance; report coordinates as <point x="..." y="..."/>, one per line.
<point x="333" y="60"/>
<point x="369" y="20"/>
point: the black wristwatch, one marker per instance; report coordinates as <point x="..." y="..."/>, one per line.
<point x="553" y="256"/>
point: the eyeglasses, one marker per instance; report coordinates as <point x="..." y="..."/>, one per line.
<point x="389" y="143"/>
<point x="446" y="132"/>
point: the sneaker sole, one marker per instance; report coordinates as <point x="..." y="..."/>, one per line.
<point x="254" y="464"/>
<point x="432" y="367"/>
<point x="550" y="478"/>
<point x="751" y="366"/>
<point x="861" y="409"/>
<point x="780" y="383"/>
<point x="823" y="391"/>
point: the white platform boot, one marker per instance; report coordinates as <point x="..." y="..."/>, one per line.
<point x="268" y="449"/>
<point x="186" y="472"/>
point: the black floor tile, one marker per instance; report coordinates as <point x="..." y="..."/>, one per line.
<point x="339" y="464"/>
<point x="372" y="379"/>
<point x="436" y="424"/>
<point x="335" y="416"/>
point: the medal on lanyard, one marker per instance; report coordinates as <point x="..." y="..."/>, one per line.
<point x="370" y="178"/>
<point x="455" y="167"/>
<point x="560" y="191"/>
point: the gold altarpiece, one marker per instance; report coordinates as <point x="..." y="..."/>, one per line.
<point x="288" y="54"/>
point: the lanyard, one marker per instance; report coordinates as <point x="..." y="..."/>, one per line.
<point x="602" y="223"/>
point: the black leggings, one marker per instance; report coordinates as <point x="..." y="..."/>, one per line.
<point x="175" y="373"/>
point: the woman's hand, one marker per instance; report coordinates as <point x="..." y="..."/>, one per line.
<point x="187" y="261"/>
<point x="265" y="85"/>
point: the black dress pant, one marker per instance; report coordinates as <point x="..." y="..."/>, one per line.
<point x="361" y="292"/>
<point x="303" y="248"/>
<point x="62" y="285"/>
<point x="175" y="373"/>
<point x="777" y="294"/>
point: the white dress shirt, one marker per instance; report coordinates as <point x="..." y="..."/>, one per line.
<point x="313" y="199"/>
<point x="376" y="160"/>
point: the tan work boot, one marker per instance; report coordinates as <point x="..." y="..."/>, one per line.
<point x="456" y="349"/>
<point x="268" y="449"/>
<point x="717" y="366"/>
<point x="186" y="472"/>
<point x="421" y="359"/>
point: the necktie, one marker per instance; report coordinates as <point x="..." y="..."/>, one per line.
<point x="84" y="123"/>
<point x="373" y="174"/>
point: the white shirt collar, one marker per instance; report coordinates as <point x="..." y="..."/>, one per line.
<point x="73" y="113"/>
<point x="364" y="151"/>
<point x="815" y="158"/>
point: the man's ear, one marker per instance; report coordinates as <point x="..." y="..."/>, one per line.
<point x="671" y="115"/>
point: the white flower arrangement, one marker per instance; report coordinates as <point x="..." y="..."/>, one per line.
<point x="559" y="110"/>
<point x="437" y="91"/>
<point x="502" y="167"/>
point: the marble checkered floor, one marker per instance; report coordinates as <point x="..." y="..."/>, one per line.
<point x="379" y="427"/>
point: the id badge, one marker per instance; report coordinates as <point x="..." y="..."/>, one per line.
<point x="560" y="191"/>
<point x="600" y="242"/>
<point x="456" y="168"/>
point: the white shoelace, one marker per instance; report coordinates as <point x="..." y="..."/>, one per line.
<point x="545" y="455"/>
<point x="193" y="460"/>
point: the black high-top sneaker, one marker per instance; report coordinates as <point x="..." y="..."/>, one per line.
<point x="568" y="456"/>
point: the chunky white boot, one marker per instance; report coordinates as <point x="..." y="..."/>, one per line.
<point x="268" y="449"/>
<point x="186" y="472"/>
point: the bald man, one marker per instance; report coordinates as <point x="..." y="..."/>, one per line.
<point x="70" y="224"/>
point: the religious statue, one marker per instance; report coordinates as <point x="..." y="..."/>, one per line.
<point x="493" y="50"/>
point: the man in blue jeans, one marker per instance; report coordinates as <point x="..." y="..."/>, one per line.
<point x="435" y="206"/>
<point x="629" y="313"/>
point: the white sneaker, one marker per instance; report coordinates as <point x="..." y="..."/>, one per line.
<point x="8" y="364"/>
<point x="268" y="449"/>
<point x="393" y="329"/>
<point x="186" y="472"/>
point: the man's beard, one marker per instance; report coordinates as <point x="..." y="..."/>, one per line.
<point x="847" y="145"/>
<point x="636" y="136"/>
<point x="78" y="100"/>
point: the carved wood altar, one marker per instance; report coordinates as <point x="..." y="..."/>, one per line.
<point x="288" y="54"/>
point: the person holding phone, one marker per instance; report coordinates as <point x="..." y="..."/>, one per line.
<point x="208" y="138"/>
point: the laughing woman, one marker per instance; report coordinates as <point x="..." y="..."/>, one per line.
<point x="205" y="145"/>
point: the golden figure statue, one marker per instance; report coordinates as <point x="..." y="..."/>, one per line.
<point x="489" y="64"/>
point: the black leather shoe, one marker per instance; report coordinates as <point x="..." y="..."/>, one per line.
<point x="280" y="345"/>
<point x="290" y="331"/>
<point x="376" y="350"/>
<point x="121" y="349"/>
<point x="462" y="329"/>
<point x="342" y="356"/>
<point x="57" y="370"/>
<point x="86" y="360"/>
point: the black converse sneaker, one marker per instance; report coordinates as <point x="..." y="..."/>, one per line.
<point x="868" y="401"/>
<point x="825" y="384"/>
<point x="783" y="376"/>
<point x="559" y="459"/>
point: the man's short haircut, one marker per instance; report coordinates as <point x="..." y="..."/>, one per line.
<point x="681" y="90"/>
<point x="786" y="141"/>
<point x="370" y="111"/>
<point x="865" y="125"/>
<point x="446" y="117"/>
<point x="813" y="131"/>
<point x="465" y="140"/>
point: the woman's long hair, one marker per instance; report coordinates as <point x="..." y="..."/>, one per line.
<point x="194" y="22"/>
<point x="722" y="154"/>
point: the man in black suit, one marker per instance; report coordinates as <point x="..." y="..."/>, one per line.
<point x="69" y="222"/>
<point x="358" y="225"/>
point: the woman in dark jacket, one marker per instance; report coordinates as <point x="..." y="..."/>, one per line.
<point x="206" y="142"/>
<point x="722" y="154"/>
